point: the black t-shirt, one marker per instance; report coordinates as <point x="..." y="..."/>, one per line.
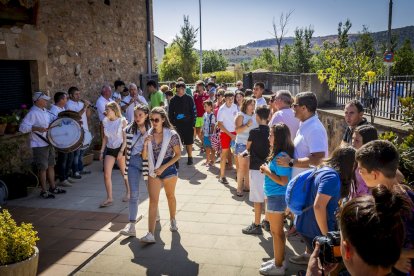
<point x="260" y="147"/>
<point x="348" y="133"/>
<point x="182" y="110"/>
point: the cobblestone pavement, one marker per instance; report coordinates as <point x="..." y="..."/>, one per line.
<point x="78" y="237"/>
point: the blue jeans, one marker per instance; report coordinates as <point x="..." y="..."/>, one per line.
<point x="64" y="163"/>
<point x="80" y="160"/>
<point x="75" y="163"/>
<point x="134" y="179"/>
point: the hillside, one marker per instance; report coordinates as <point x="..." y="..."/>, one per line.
<point x="253" y="49"/>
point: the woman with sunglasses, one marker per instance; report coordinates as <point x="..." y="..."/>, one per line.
<point x="114" y="144"/>
<point x="162" y="148"/>
<point x="136" y="133"/>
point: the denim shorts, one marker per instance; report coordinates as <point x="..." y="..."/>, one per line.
<point x="276" y="204"/>
<point x="239" y="148"/>
<point x="171" y="171"/>
<point x="207" y="142"/>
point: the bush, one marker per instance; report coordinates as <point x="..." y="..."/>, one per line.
<point x="16" y="242"/>
<point x="221" y="76"/>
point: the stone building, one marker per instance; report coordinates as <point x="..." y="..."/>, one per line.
<point x="50" y="45"/>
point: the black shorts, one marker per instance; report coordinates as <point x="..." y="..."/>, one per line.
<point x="112" y="152"/>
<point x="186" y="132"/>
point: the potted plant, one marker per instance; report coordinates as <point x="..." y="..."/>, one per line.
<point x="12" y="124"/>
<point x="3" y="124"/>
<point x="18" y="252"/>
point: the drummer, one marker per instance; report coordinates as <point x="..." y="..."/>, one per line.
<point x="129" y="103"/>
<point x="81" y="106"/>
<point x="36" y="122"/>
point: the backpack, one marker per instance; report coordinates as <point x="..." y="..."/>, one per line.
<point x="298" y="189"/>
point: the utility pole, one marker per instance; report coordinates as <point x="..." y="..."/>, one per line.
<point x="389" y="36"/>
<point x="201" y="44"/>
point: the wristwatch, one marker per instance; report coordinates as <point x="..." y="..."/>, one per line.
<point x="291" y="162"/>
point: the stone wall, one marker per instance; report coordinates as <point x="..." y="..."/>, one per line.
<point x="83" y="43"/>
<point x="333" y="120"/>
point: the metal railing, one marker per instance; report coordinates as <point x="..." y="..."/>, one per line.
<point x="380" y="97"/>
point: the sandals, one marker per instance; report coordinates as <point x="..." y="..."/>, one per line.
<point x="125" y="199"/>
<point x="57" y="190"/>
<point x="223" y="180"/>
<point x="106" y="204"/>
<point x="239" y="194"/>
<point x="246" y="190"/>
<point x="46" y="195"/>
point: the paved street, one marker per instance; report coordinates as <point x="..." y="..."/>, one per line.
<point x="77" y="236"/>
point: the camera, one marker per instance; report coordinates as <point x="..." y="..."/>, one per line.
<point x="329" y="249"/>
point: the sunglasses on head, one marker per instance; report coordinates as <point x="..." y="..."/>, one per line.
<point x="156" y="120"/>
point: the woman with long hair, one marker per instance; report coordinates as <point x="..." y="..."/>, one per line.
<point x="330" y="183"/>
<point x="114" y="144"/>
<point x="276" y="179"/>
<point x="245" y="121"/>
<point x="162" y="148"/>
<point x="136" y="133"/>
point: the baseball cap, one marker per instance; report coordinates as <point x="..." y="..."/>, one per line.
<point x="40" y="95"/>
<point x="212" y="90"/>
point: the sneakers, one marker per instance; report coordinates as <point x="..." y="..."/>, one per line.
<point x="266" y="225"/>
<point x="189" y="161"/>
<point x="57" y="190"/>
<point x="65" y="183"/>
<point x="272" y="261"/>
<point x="76" y="175"/>
<point x="71" y="180"/>
<point x="272" y="269"/>
<point x="302" y="259"/>
<point x="84" y="172"/>
<point x="46" y="195"/>
<point x="253" y="229"/>
<point x="129" y="230"/>
<point x="223" y="180"/>
<point x="291" y="232"/>
<point x="148" y="238"/>
<point x="173" y="225"/>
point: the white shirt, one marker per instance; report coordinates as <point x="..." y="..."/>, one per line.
<point x="116" y="96"/>
<point x="208" y="119"/>
<point x="286" y="116"/>
<point x="39" y="118"/>
<point x="77" y="106"/>
<point x="226" y="115"/>
<point x="129" y="113"/>
<point x="310" y="138"/>
<point x="260" y="101"/>
<point x="100" y="105"/>
<point x="114" y="132"/>
<point x="54" y="111"/>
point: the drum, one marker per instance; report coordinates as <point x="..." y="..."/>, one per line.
<point x="70" y="114"/>
<point x="65" y="134"/>
<point x="87" y="139"/>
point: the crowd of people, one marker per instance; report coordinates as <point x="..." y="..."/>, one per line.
<point x="280" y="150"/>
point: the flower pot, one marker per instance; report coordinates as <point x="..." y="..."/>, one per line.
<point x="27" y="267"/>
<point x="2" y="129"/>
<point x="88" y="159"/>
<point x="11" y="128"/>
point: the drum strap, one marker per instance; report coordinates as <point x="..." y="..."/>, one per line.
<point x="43" y="138"/>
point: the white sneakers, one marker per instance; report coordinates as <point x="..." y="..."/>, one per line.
<point x="129" y="230"/>
<point x="148" y="238"/>
<point x="269" y="268"/>
<point x="65" y="183"/>
<point x="173" y="225"/>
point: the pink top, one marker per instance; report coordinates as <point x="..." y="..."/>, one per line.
<point x="361" y="187"/>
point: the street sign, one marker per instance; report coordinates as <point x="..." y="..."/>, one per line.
<point x="388" y="57"/>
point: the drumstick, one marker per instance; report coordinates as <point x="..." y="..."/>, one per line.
<point x="58" y="125"/>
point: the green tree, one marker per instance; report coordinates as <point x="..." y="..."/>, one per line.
<point x="170" y="67"/>
<point x="343" y="30"/>
<point x="213" y="61"/>
<point x="185" y="43"/>
<point x="302" y="49"/>
<point x="365" y="43"/>
<point x="404" y="60"/>
<point x="266" y="60"/>
<point x="286" y="60"/>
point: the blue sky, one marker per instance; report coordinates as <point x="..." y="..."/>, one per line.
<point x="229" y="23"/>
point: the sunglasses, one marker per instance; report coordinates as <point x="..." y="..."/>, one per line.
<point x="156" y="120"/>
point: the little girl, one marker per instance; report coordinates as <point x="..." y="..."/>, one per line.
<point x="276" y="179"/>
<point x="362" y="135"/>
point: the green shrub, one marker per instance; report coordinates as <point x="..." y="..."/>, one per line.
<point x="221" y="76"/>
<point x="16" y="242"/>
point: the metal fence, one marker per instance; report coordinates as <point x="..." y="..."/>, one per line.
<point x="380" y="97"/>
<point x="273" y="81"/>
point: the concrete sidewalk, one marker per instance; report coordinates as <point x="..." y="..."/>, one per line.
<point x="210" y="217"/>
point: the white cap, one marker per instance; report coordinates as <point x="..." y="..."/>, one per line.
<point x="40" y="95"/>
